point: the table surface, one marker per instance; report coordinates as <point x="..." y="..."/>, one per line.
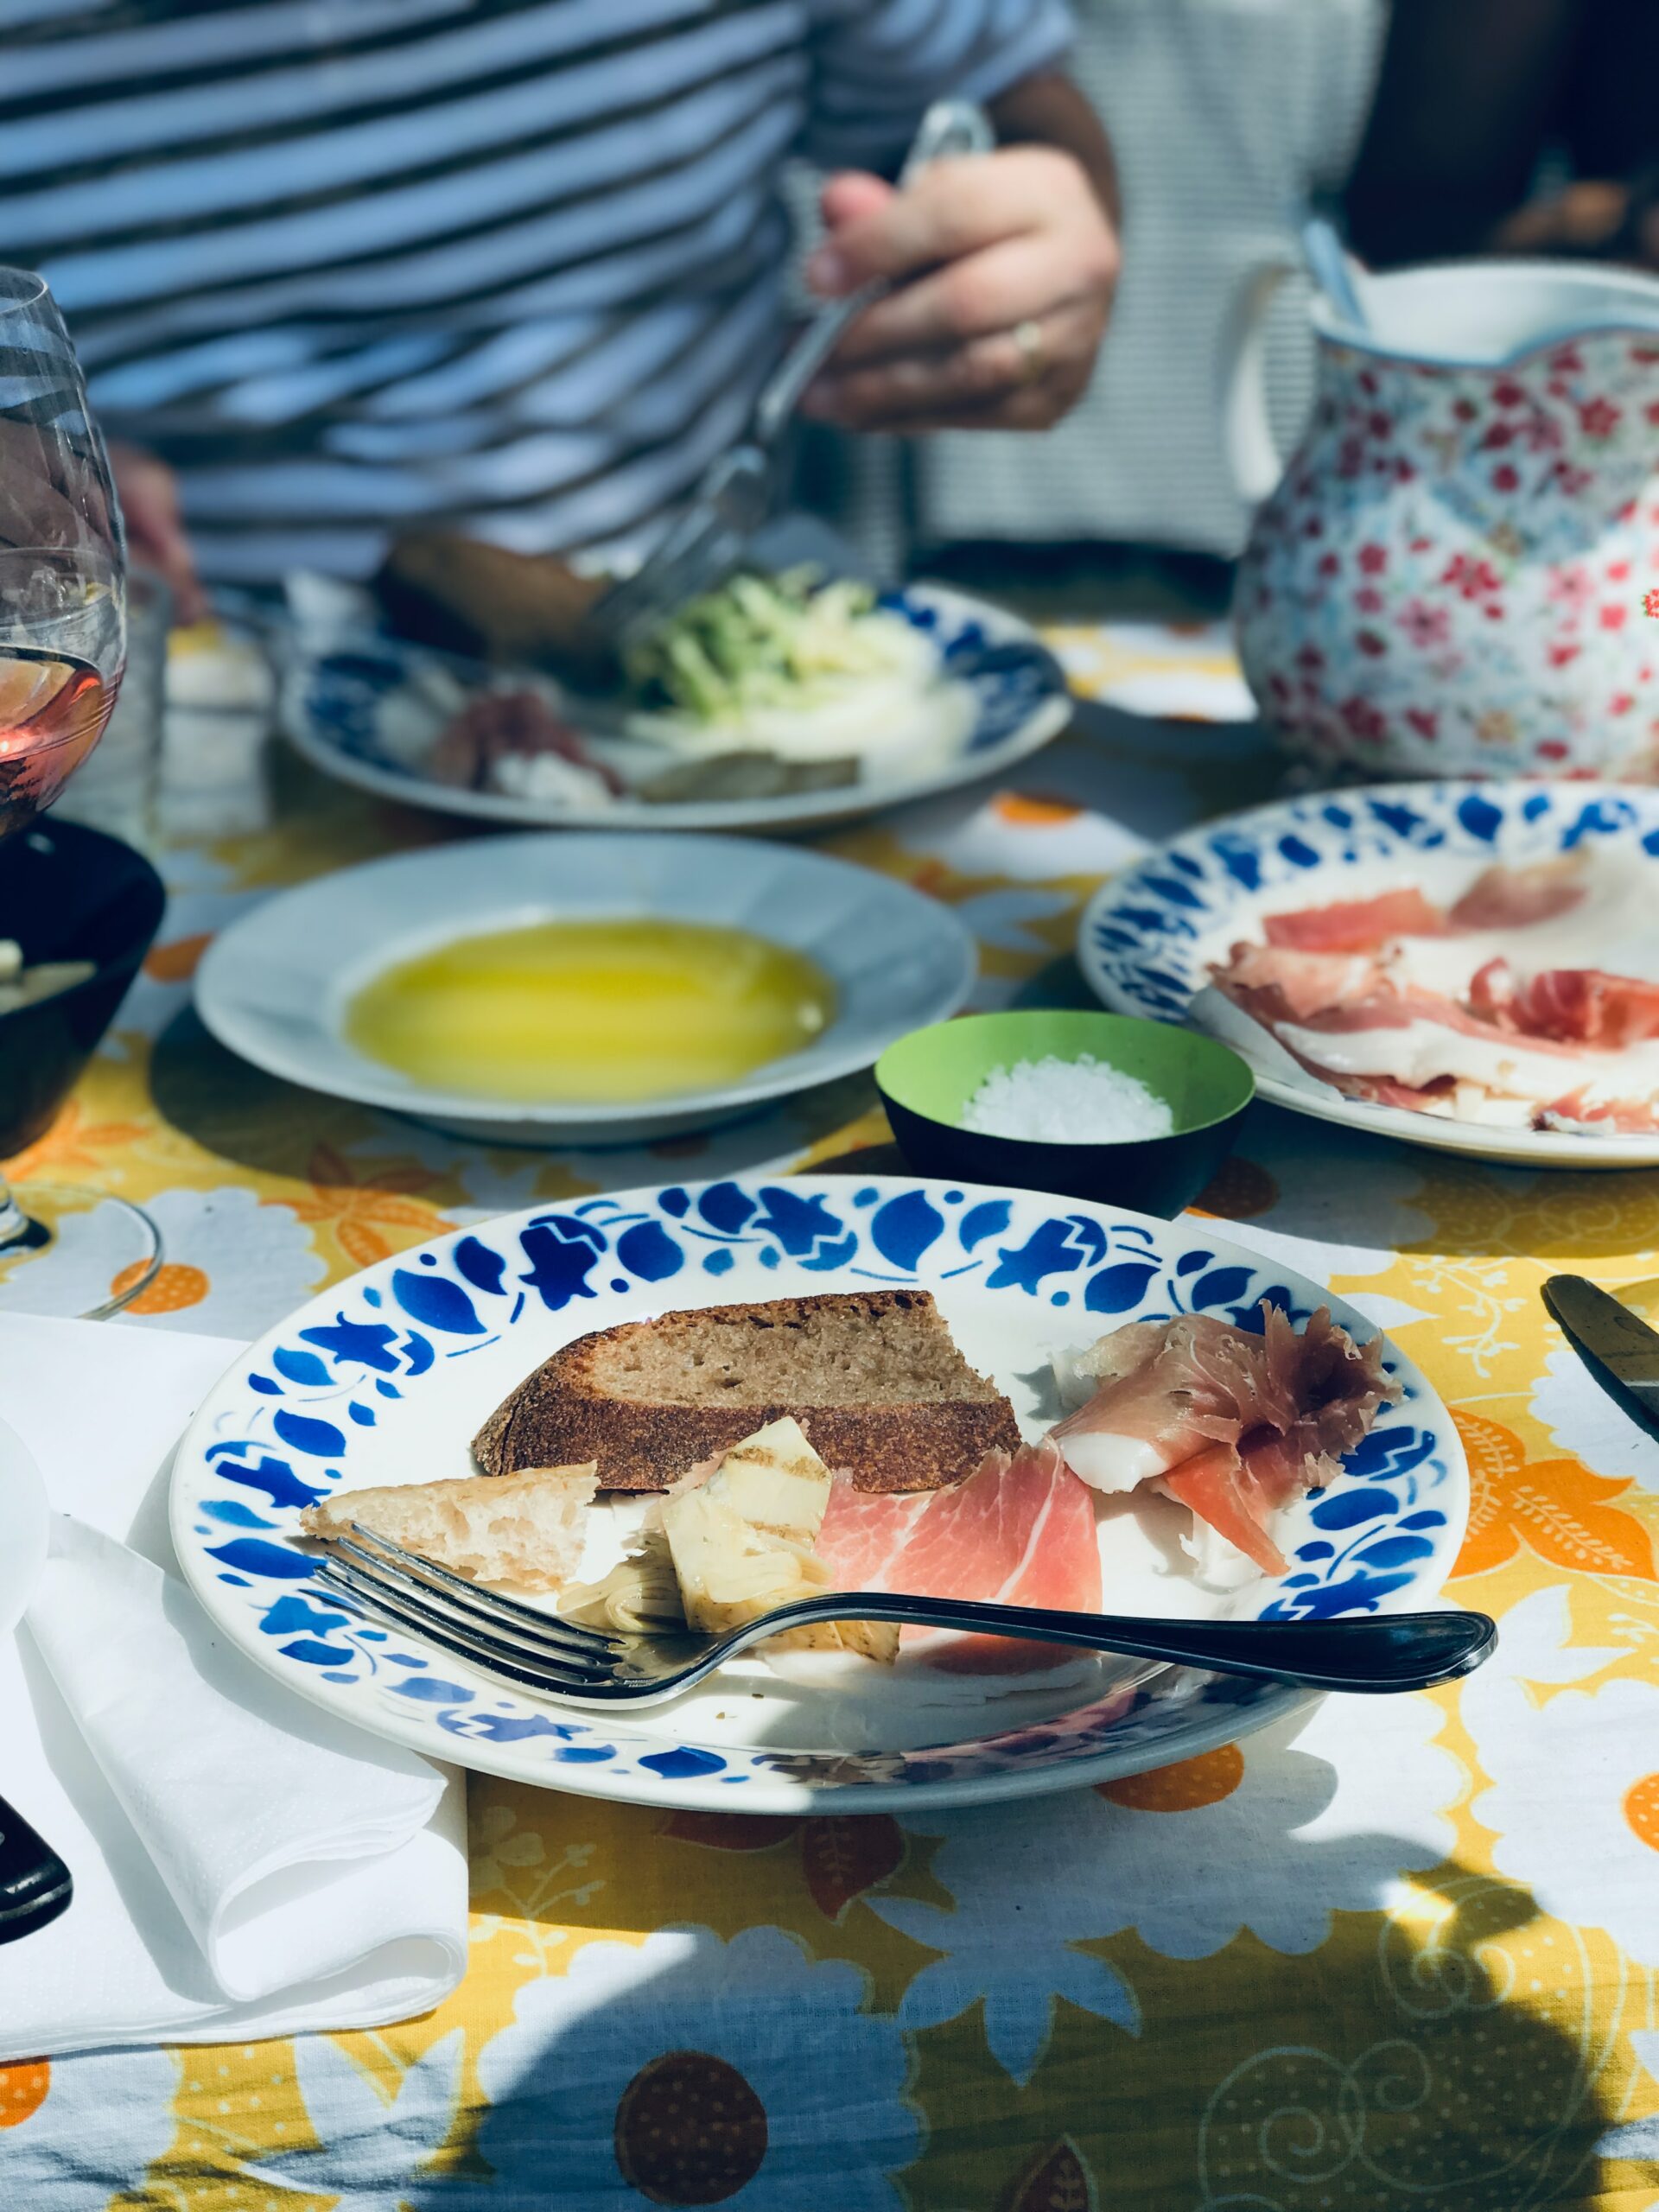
<point x="1400" y="1954"/>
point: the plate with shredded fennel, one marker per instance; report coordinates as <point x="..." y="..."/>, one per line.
<point x="780" y="702"/>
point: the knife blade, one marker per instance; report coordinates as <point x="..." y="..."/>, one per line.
<point x="1618" y="1347"/>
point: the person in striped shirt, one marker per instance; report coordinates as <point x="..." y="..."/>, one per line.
<point x="341" y="267"/>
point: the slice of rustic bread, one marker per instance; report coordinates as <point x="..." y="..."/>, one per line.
<point x="526" y="1532"/>
<point x="874" y="1379"/>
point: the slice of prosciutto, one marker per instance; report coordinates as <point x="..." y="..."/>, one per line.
<point x="1568" y="1006"/>
<point x="1516" y="1008"/>
<point x="1501" y="899"/>
<point x="1229" y="1423"/>
<point x="1296" y="985"/>
<point x="1515" y="897"/>
<point x="1624" y="1117"/>
<point x="1019" y="1531"/>
<point x="1355" y="924"/>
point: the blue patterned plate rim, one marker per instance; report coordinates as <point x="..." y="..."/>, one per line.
<point x="407" y="1357"/>
<point x="1138" y="936"/>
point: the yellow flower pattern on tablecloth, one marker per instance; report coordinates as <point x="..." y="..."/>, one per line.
<point x="74" y="1145"/>
<point x="1555" y="1508"/>
<point x="1401" y="1957"/>
<point x="368" y="1212"/>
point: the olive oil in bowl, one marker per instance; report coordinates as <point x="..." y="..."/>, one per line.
<point x="592" y="1012"/>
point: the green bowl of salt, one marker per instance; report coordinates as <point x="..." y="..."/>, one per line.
<point x="1085" y="1105"/>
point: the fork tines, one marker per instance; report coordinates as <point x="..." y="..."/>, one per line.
<point x="699" y="553"/>
<point x="496" y="1634"/>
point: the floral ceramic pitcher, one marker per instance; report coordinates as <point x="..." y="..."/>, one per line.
<point x="1450" y="576"/>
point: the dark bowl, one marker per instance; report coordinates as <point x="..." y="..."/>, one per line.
<point x="67" y="893"/>
<point x="926" y="1079"/>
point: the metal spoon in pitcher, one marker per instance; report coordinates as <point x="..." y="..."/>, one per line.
<point x="1328" y="265"/>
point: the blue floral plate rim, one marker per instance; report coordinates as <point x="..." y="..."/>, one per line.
<point x="339" y="1383"/>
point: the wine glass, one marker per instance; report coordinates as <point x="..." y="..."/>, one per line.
<point x="62" y="650"/>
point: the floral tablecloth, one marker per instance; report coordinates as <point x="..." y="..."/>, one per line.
<point x="1401" y="1955"/>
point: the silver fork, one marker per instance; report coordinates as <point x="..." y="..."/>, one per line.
<point x="707" y="543"/>
<point x="500" y="1636"/>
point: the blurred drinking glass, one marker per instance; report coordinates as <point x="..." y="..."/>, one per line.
<point x="117" y="790"/>
<point x="63" y="602"/>
<point x="63" y="642"/>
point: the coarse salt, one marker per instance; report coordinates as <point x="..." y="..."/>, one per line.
<point x="1066" y="1102"/>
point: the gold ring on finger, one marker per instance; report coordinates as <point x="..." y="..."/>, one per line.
<point x="1028" y="337"/>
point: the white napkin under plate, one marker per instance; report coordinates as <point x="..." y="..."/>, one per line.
<point x="244" y="1865"/>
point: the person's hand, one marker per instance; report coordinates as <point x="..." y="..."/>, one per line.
<point x="149" y="502"/>
<point x="1004" y="265"/>
<point x="1595" y="219"/>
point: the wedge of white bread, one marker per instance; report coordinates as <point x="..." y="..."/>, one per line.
<point x="734" y="1540"/>
<point x="874" y="1378"/>
<point x="742" y="1543"/>
<point x="523" y="1530"/>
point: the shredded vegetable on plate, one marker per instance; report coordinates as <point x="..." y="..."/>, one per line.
<point x="777" y="641"/>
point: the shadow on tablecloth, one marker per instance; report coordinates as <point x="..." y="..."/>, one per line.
<point x="1348" y="2037"/>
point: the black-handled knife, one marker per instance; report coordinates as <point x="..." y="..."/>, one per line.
<point x="36" y="1885"/>
<point x="1619" y="1348"/>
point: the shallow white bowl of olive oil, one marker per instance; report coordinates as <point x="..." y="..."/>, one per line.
<point x="582" y="989"/>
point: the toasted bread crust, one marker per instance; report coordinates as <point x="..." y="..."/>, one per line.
<point x="564" y="1412"/>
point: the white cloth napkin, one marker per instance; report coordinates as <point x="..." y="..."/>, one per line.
<point x="244" y="1865"/>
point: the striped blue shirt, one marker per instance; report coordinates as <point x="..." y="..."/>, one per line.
<point x="511" y="265"/>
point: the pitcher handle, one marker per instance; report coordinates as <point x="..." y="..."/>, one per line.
<point x="1246" y="427"/>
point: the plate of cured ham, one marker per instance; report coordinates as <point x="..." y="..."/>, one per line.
<point x="1470" y="966"/>
<point x="1045" y="1402"/>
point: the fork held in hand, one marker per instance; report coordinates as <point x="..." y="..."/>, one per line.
<point x="708" y="541"/>
<point x="539" y="1651"/>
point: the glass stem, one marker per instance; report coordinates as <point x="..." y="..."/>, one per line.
<point x="14" y="1223"/>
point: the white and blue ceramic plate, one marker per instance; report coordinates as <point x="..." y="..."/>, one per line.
<point x="1147" y="938"/>
<point x="386" y="1378"/>
<point x="333" y="698"/>
<point x="276" y="986"/>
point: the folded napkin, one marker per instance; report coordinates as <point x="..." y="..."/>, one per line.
<point x="244" y="1865"/>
